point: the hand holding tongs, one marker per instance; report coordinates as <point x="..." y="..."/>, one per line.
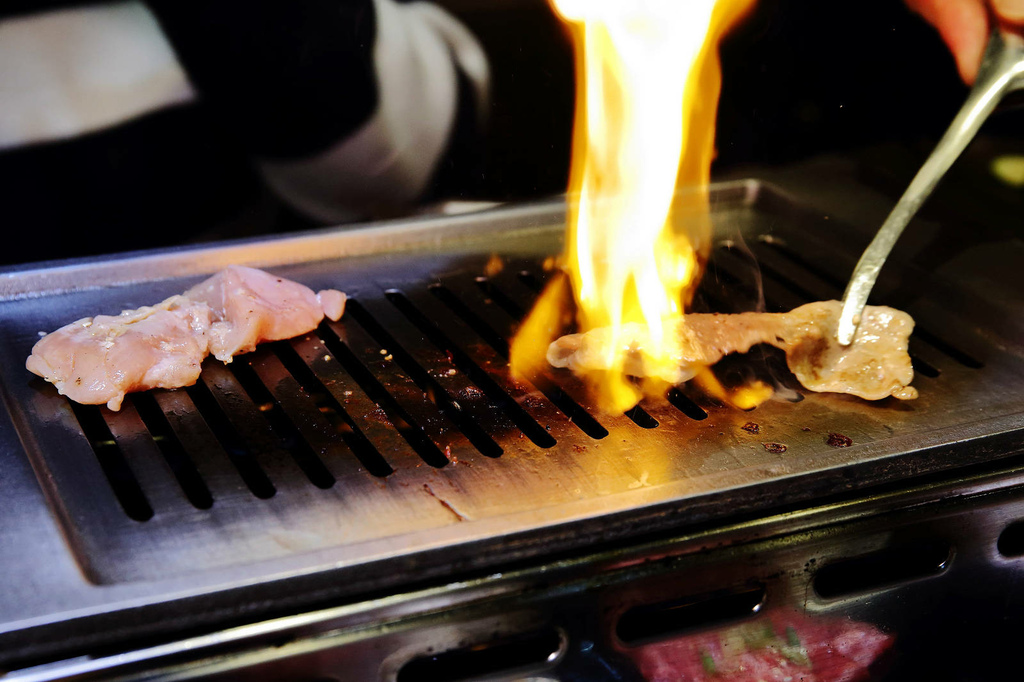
<point x="1001" y="72"/>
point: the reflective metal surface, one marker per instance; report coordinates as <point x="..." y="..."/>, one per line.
<point x="955" y="619"/>
<point x="391" y="449"/>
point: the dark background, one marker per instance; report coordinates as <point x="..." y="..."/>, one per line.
<point x="867" y="82"/>
<point x="801" y="78"/>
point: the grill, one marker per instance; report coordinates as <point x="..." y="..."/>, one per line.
<point x="391" y="450"/>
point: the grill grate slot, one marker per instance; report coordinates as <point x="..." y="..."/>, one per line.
<point x="339" y="421"/>
<point x="686" y="406"/>
<point x="952" y="351"/>
<point x="642" y="418"/>
<point x="498" y="297"/>
<point x="255" y="478"/>
<point x="493" y="410"/>
<point x="198" y="440"/>
<point x="185" y="471"/>
<point x="249" y="416"/>
<point x="122" y="481"/>
<point x="431" y="388"/>
<point x="336" y="340"/>
<point x="496" y="338"/>
<point x="498" y="342"/>
<point x="373" y="433"/>
<point x="836" y="286"/>
<point x="281" y="400"/>
<point x="501" y="395"/>
<point x="531" y="280"/>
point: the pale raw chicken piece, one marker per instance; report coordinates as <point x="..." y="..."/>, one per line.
<point x="97" y="360"/>
<point x="249" y="306"/>
<point x="874" y="366"/>
<point x="333" y="303"/>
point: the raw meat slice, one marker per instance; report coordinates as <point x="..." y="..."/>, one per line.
<point x="875" y="366"/>
<point x="249" y="306"/>
<point x="98" y="360"/>
<point x="782" y="646"/>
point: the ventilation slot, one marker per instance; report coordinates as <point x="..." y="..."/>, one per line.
<point x="522" y="419"/>
<point x="184" y="469"/>
<point x="952" y="351"/>
<point x="648" y="623"/>
<point x="455" y="304"/>
<point x="573" y="410"/>
<point x="923" y="367"/>
<point x="1011" y="540"/>
<point x="477" y="436"/>
<point x="252" y="474"/>
<point x="686" y="406"/>
<point x="401" y="420"/>
<point x="641" y="418"/>
<point x="514" y="310"/>
<point x="328" y="406"/>
<point x="503" y="657"/>
<point x="122" y="481"/>
<point x="960" y="356"/>
<point x="911" y="561"/>
<point x="282" y="428"/>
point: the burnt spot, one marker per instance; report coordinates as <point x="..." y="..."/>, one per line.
<point x="751" y="427"/>
<point x="777" y="448"/>
<point x="838" y="440"/>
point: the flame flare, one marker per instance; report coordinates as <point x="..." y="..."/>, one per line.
<point x="648" y="80"/>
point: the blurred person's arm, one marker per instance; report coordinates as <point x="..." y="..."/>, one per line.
<point x="346" y="105"/>
<point x="964" y="26"/>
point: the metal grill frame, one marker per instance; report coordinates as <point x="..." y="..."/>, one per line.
<point x="425" y="521"/>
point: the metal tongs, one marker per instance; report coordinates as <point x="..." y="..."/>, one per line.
<point x="1001" y="72"/>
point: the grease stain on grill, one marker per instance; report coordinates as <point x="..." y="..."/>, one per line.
<point x="445" y="503"/>
<point x="838" y="440"/>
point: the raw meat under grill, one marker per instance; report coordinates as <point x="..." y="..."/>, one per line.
<point x="781" y="646"/>
<point x="98" y="360"/>
<point x="875" y="366"/>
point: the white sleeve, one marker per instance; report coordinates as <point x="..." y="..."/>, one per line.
<point x="390" y="159"/>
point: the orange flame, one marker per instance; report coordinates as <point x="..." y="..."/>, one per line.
<point x="648" y="80"/>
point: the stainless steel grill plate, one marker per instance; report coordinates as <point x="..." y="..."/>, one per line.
<point x="392" y="447"/>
